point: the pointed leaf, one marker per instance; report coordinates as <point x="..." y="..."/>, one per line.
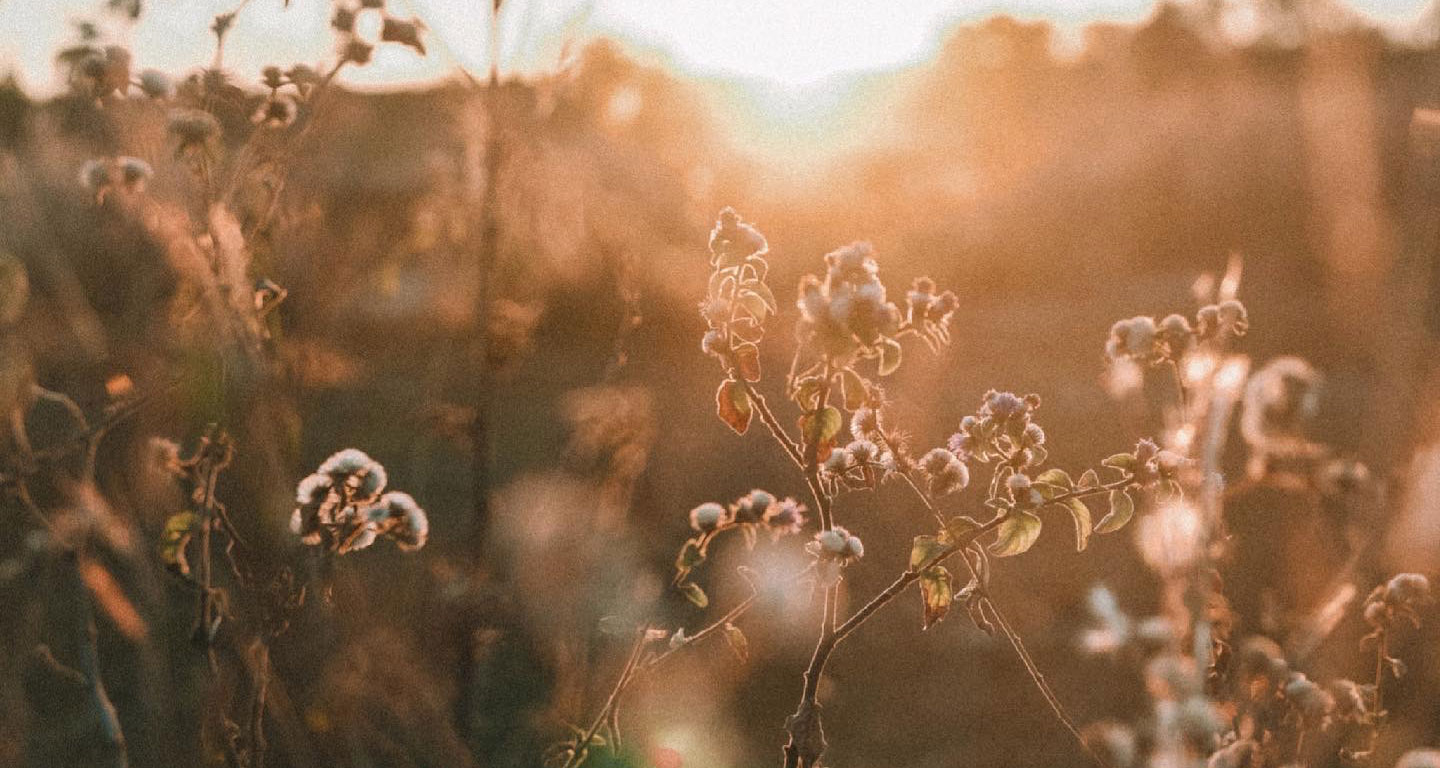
<point x="763" y="291"/>
<point x="695" y="594"/>
<point x="1058" y="477"/>
<point x="1048" y="491"/>
<point x="958" y="528"/>
<point x="690" y="556"/>
<point x="1090" y="479"/>
<point x="924" y="549"/>
<point x="179" y="529"/>
<point x="738" y="642"/>
<point x="747" y="361"/>
<point x="938" y="592"/>
<point x="1122" y="461"/>
<point x="1122" y="508"/>
<point x="732" y="405"/>
<point x="821" y="426"/>
<point x="753" y="303"/>
<point x="1081" y="513"/>
<point x="1016" y="535"/>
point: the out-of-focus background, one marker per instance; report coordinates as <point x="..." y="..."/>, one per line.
<point x="532" y="248"/>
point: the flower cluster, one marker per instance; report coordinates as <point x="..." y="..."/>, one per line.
<point x="102" y="176"/>
<point x="754" y="512"/>
<point x="836" y="545"/>
<point x="847" y="313"/>
<point x="929" y="313"/>
<point x="944" y="472"/>
<point x="193" y="128"/>
<point x="1144" y="340"/>
<point x="1401" y="597"/>
<point x="757" y="509"/>
<point x="737" y="302"/>
<point x="1002" y="429"/>
<point x="343" y="507"/>
<point x="1280" y="401"/>
<point x="861" y="464"/>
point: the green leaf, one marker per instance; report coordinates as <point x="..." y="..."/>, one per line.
<point x="753" y="303"/>
<point x="1090" y="479"/>
<point x="1124" y="462"/>
<point x="690" y="556"/>
<point x="854" y="388"/>
<point x="695" y="594"/>
<point x="924" y="549"/>
<point x="958" y="528"/>
<point x="179" y="529"/>
<point x="732" y="405"/>
<point x="1048" y="491"/>
<point x="747" y="361"/>
<point x="938" y="592"/>
<point x="737" y="642"/>
<point x="1122" y="508"/>
<point x="763" y="291"/>
<point x="1058" y="477"/>
<point x="1081" y="513"/>
<point x="821" y="426"/>
<point x="889" y="356"/>
<point x="1016" y="535"/>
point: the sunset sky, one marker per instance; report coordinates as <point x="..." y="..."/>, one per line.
<point x="792" y="44"/>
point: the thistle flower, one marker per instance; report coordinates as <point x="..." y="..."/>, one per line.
<point x="836" y="545"/>
<point x="708" y="517"/>
<point x="403" y="32"/>
<point x="193" y="127"/>
<point x="752" y="507"/>
<point x="785" y="518"/>
<point x="275" y="112"/>
<point x="398" y="516"/>
<point x="1312" y="701"/>
<point x="128" y="174"/>
<point x="944" y="472"/>
<point x="732" y="241"/>
<point x="361" y="474"/>
<point x="156" y="84"/>
<point x="1133" y="339"/>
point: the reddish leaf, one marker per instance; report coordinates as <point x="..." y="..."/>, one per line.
<point x="732" y="405"/>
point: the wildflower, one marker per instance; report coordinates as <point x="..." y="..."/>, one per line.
<point x="837" y="545"/>
<point x="708" y="517"/>
<point x="193" y="127"/>
<point x="848" y="311"/>
<point x="1133" y="339"/>
<point x="403" y="32"/>
<point x="1349" y="700"/>
<point x="399" y="517"/>
<point x="127" y="174"/>
<point x="784" y="518"/>
<point x="343" y="20"/>
<point x="156" y="84"/>
<point x="361" y="474"/>
<point x="1228" y="318"/>
<point x="944" y="472"/>
<point x="865" y="421"/>
<point x="732" y="241"/>
<point x="275" y="112"/>
<point x="1312" y="701"/>
<point x="752" y="507"/>
<point x="357" y="51"/>
<point x="1280" y="402"/>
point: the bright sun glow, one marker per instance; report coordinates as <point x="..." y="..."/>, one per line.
<point x="803" y="43"/>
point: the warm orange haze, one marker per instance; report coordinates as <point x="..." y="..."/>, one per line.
<point x="701" y="385"/>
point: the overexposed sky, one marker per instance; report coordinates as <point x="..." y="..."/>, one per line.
<point x="789" y="42"/>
